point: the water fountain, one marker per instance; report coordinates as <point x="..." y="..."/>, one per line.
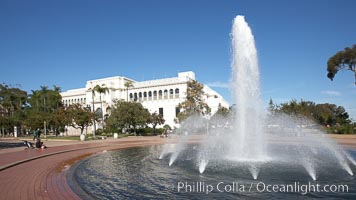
<point x="248" y="141"/>
<point x="249" y="147"/>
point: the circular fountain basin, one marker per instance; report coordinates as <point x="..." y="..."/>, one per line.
<point x="138" y="173"/>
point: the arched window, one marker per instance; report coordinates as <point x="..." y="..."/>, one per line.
<point x="140" y="95"/>
<point x="176" y="93"/>
<point x="135" y="96"/>
<point x="160" y="94"/>
<point x="99" y="112"/>
<point x="154" y="95"/>
<point x="144" y="95"/>
<point x="171" y="93"/>
<point x="165" y="94"/>
<point x="149" y="95"/>
<point x="131" y="96"/>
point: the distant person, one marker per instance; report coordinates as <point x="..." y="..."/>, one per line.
<point x="35" y="134"/>
<point x="38" y="133"/>
<point x="40" y="144"/>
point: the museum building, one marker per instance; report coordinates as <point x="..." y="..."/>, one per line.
<point x="160" y="95"/>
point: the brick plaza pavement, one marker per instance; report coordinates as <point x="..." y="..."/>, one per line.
<point x="40" y="173"/>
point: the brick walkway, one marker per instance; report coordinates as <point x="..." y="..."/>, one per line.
<point x="42" y="176"/>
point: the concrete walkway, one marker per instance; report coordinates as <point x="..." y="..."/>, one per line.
<point x="40" y="173"/>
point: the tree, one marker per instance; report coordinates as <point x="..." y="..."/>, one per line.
<point x="5" y="125"/>
<point x="12" y="103"/>
<point x="222" y="111"/>
<point x="271" y="106"/>
<point x="101" y="89"/>
<point x="156" y="119"/>
<point x="221" y="116"/>
<point x="128" y="115"/>
<point x="11" y="99"/>
<point x="345" y="59"/>
<point x="43" y="104"/>
<point x="93" y="104"/>
<point x="128" y="84"/>
<point x="61" y="118"/>
<point x="35" y="119"/>
<point x="324" y="114"/>
<point x="194" y="103"/>
<point x="79" y="117"/>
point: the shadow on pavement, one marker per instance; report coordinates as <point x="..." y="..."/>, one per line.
<point x="5" y="145"/>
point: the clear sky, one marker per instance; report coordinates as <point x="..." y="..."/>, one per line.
<point x="66" y="43"/>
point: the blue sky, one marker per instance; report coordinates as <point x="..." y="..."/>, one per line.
<point x="66" y="43"/>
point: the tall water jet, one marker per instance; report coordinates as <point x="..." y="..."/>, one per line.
<point x="248" y="136"/>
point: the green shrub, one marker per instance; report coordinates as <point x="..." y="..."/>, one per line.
<point x="99" y="131"/>
<point x="342" y="129"/>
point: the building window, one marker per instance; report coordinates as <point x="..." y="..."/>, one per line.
<point x="99" y="112"/>
<point x="160" y="111"/>
<point x="131" y="96"/>
<point x="149" y="95"/>
<point x="160" y="94"/>
<point x="135" y="96"/>
<point x="140" y="95"/>
<point x="177" y="93"/>
<point x="171" y="93"/>
<point x="145" y="96"/>
<point x="154" y="95"/>
<point x="165" y="94"/>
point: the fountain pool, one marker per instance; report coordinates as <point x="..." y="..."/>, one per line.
<point x="137" y="173"/>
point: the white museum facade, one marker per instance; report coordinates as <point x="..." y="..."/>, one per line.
<point x="159" y="95"/>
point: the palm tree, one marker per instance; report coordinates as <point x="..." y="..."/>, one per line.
<point x="128" y="85"/>
<point x="93" y="102"/>
<point x="100" y="90"/>
<point x="56" y="88"/>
